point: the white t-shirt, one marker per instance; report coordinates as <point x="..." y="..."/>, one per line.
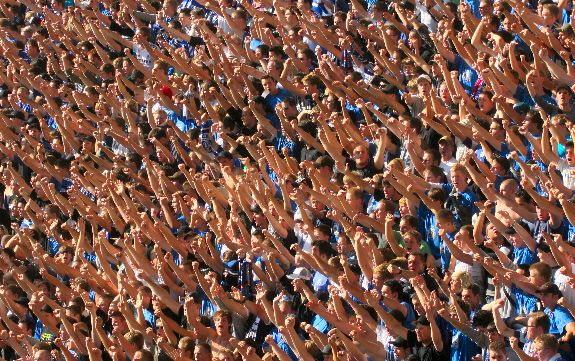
<point x="566" y="172"/>
<point x="562" y="282"/>
<point x="446" y="166"/>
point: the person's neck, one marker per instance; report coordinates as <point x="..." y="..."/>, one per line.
<point x="461" y="189"/>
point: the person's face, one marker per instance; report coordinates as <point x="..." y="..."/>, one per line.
<point x="117" y="321"/>
<point x="563" y="97"/>
<point x="497" y="356"/>
<point x="485" y="9"/>
<point x="42" y="355"/>
<point x="427" y="159"/>
<point x="34" y="132"/>
<point x="508" y="190"/>
<point x="548" y="299"/>
<point x="22" y="94"/>
<point x="342" y="245"/>
<point x="430" y="177"/>
<point x="387" y="292"/>
<point x="532" y="331"/>
<point x="485" y="103"/>
<point x="424" y="87"/>
<point x="459" y="180"/>
<point x="169" y="8"/>
<point x="542" y="353"/>
<point x="414" y="264"/>
<point x="201" y="354"/>
<point x="548" y="18"/>
<point x="66" y="257"/>
<point x="316" y="205"/>
<point x="497" y="131"/>
<point x="444" y="93"/>
<point x="380" y="212"/>
<point x="248" y="118"/>
<point x="222" y="325"/>
<point x="354" y="202"/>
<point x="318" y="235"/>
<point x="497" y="169"/>
<point x="404" y="226"/>
<point x="88" y="146"/>
<point x="423" y="333"/>
<point x="462" y="236"/>
<point x="468" y="296"/>
<point x="570" y="155"/>
<point x="289" y="110"/>
<point x="492" y="232"/>
<point x="389" y="192"/>
<point x="411" y="244"/>
<point x="403" y="210"/>
<point x="391" y="32"/>
<point x="542" y="214"/>
<point x="360" y="155"/>
<point x="446" y="149"/>
<point x="57" y="145"/>
<point x="310" y="88"/>
<point x="269" y="85"/>
<point x="377" y="281"/>
<point x="159" y="118"/>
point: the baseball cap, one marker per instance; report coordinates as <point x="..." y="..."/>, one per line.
<point x="423" y="77"/>
<point x="401" y="342"/>
<point x="445" y="139"/>
<point x="422" y="320"/>
<point x="564" y="86"/>
<point x="550" y="288"/>
<point x="300" y="273"/>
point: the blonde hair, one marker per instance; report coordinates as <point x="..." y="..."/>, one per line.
<point x="463" y="277"/>
<point x="396" y="163"/>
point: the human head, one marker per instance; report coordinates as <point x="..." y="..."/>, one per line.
<point x="203" y="352"/>
<point x="546" y="346"/>
<point x="497" y="351"/>
<point x="472" y="295"/>
<point x="538" y="323"/>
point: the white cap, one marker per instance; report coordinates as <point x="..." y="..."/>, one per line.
<point x="301" y="273"/>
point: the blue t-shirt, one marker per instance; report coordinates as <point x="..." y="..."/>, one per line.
<point x="462" y="347"/>
<point x="559" y="318"/>
<point x="467" y="76"/>
<point x="320" y="282"/>
<point x="273" y="100"/>
<point x="320" y="324"/>
<point x="428" y="229"/>
<point x="282" y="344"/>
<point x="526" y="303"/>
<point x="524" y="256"/>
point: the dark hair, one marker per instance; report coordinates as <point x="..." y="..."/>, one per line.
<point x="394" y="286"/>
<point x="482" y="318"/>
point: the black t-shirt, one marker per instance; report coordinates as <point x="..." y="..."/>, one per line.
<point x="429" y="138"/>
<point x="366" y="172"/>
<point x="426" y="353"/>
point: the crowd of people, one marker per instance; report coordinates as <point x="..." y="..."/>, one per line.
<point x="287" y="180"/>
